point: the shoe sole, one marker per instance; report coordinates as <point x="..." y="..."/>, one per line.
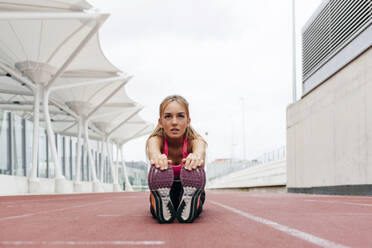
<point x="160" y="183"/>
<point x="193" y="183"/>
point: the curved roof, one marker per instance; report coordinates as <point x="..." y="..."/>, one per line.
<point x="131" y="131"/>
<point x="41" y="35"/>
<point x="89" y="94"/>
<point x="44" y="5"/>
<point x="91" y="62"/>
<point x="44" y="41"/>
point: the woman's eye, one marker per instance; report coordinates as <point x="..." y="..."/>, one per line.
<point x="181" y="116"/>
<point x="167" y="116"/>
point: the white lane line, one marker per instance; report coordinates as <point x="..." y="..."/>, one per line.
<point x="109" y="215"/>
<point x="291" y="231"/>
<point x="336" y="214"/>
<point x="126" y="197"/>
<point x="119" y="215"/>
<point x="341" y="202"/>
<point x="42" y="200"/>
<point x="16" y="217"/>
<point x="50" y="211"/>
<point x="90" y="243"/>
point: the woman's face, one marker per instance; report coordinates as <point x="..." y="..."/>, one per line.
<point x="174" y="120"/>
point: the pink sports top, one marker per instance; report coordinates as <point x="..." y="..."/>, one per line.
<point x="177" y="168"/>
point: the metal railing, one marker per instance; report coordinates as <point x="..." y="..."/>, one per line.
<point x="223" y="168"/>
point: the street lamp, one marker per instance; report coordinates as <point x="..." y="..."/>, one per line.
<point x="293" y="53"/>
<point x="243" y="121"/>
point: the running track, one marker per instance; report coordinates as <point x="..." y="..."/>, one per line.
<point x="229" y="219"/>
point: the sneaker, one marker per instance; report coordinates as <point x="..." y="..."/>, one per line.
<point x="160" y="183"/>
<point x="193" y="183"/>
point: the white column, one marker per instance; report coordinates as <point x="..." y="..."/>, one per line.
<point x="51" y="137"/>
<point x="115" y="170"/>
<point x="33" y="184"/>
<point x="117" y="164"/>
<point x="78" y="153"/>
<point x="102" y="158"/>
<point x="97" y="187"/>
<point x="89" y="151"/>
<point x="61" y="185"/>
<point x="35" y="144"/>
<point x="128" y="187"/>
<point x="117" y="186"/>
<point x="109" y="151"/>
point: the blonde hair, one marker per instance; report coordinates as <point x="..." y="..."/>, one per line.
<point x="190" y="133"/>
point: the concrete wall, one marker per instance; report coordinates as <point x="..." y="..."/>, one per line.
<point x="15" y="185"/>
<point x="270" y="174"/>
<point x="329" y="132"/>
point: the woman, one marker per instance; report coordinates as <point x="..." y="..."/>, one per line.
<point x="177" y="155"/>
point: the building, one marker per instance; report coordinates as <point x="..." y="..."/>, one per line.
<point x="329" y="149"/>
<point x="63" y="105"/>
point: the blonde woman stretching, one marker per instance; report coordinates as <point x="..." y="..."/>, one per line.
<point x="177" y="154"/>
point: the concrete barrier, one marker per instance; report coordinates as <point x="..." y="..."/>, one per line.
<point x="13" y="185"/>
<point x="16" y="185"/>
<point x="329" y="133"/>
<point x="264" y="175"/>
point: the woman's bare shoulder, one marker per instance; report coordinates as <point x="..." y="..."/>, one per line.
<point x="155" y="140"/>
<point x="195" y="142"/>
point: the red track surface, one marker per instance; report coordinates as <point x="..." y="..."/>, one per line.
<point x="229" y="219"/>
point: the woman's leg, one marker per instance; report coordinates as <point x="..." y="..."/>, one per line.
<point x="201" y="203"/>
<point x="151" y="207"/>
<point x="160" y="183"/>
<point x="193" y="183"/>
<point x="176" y="193"/>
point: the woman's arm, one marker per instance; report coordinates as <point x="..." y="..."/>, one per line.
<point x="197" y="157"/>
<point x="153" y="147"/>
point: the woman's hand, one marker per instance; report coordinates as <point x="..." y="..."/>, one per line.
<point x="160" y="161"/>
<point x="193" y="161"/>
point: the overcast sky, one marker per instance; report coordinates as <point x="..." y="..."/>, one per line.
<point x="219" y="55"/>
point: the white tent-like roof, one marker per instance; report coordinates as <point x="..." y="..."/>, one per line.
<point x="91" y="62"/>
<point x="131" y="131"/>
<point x="50" y="53"/>
<point x="43" y="41"/>
<point x="44" y="5"/>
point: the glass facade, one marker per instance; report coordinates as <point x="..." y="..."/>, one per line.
<point x="16" y="141"/>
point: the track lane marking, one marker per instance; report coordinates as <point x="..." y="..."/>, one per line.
<point x="42" y="200"/>
<point x="341" y="202"/>
<point x="72" y="243"/>
<point x="50" y="211"/>
<point x="68" y="198"/>
<point x="291" y="231"/>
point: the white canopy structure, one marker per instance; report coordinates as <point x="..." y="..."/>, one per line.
<point x="119" y="127"/>
<point x="50" y="53"/>
<point x="36" y="48"/>
<point x="44" y="5"/>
